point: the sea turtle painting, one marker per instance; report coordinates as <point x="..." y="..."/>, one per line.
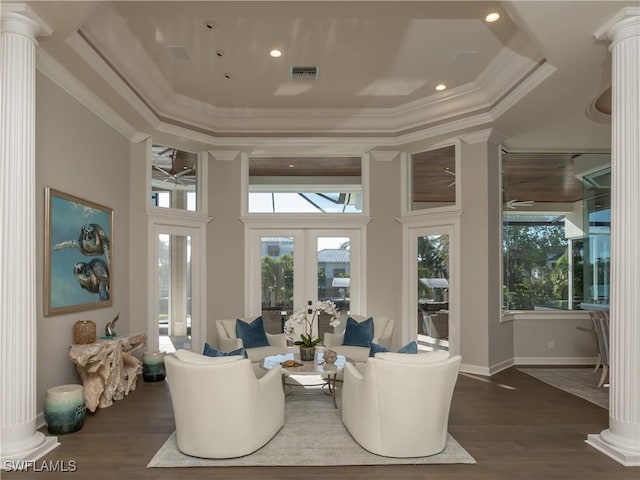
<point x="93" y="240"/>
<point x="93" y="277"/>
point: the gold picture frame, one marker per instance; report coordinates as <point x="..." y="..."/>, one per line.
<point x="78" y="257"/>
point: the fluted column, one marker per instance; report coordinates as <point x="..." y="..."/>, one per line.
<point x="621" y="440"/>
<point x="20" y="440"/>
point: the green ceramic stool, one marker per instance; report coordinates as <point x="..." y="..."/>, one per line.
<point x="64" y="408"/>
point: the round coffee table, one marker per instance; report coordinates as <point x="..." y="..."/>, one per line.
<point x="312" y="367"/>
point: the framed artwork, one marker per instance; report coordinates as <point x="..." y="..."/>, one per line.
<point x="78" y="265"/>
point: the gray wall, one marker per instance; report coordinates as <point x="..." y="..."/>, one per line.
<point x="139" y="242"/>
<point x="384" y="244"/>
<point x="77" y="153"/>
<point x="555" y="339"/>
<point x="484" y="341"/>
<point x="225" y="245"/>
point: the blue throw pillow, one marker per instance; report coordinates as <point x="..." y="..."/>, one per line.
<point x="358" y="334"/>
<point x="411" y="347"/>
<point x="252" y="334"/>
<point x="210" y="351"/>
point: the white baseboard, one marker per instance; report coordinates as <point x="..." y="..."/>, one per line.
<point x="510" y="362"/>
<point x="498" y="367"/>
<point x="554" y="360"/>
<point x="474" y="369"/>
<point x="40" y="422"/>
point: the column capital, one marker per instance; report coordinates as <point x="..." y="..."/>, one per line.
<point x="624" y="24"/>
<point x="19" y="18"/>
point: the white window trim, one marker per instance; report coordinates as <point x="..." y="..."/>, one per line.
<point x="201" y="187"/>
<point x="406" y="182"/>
<point x="198" y="232"/>
<point x="178" y="222"/>
<point x="252" y="257"/>
<point x="412" y="227"/>
<point x="363" y="216"/>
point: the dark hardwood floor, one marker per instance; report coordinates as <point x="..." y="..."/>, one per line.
<point x="531" y="432"/>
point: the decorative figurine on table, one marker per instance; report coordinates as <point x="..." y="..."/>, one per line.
<point x="330" y="356"/>
<point x="109" y="330"/>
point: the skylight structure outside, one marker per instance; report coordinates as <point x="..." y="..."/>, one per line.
<point x="305" y="202"/>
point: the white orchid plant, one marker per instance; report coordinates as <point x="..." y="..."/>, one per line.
<point x="303" y="319"/>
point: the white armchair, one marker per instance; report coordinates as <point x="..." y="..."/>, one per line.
<point x="221" y="409"/>
<point x="229" y="341"/>
<point x="382" y="334"/>
<point x="399" y="405"/>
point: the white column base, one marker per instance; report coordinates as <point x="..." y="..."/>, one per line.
<point x="615" y="447"/>
<point x="37" y="447"/>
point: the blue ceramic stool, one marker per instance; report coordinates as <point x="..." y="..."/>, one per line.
<point x="64" y="408"/>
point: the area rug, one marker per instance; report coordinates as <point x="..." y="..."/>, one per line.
<point x="581" y="382"/>
<point x="313" y="435"/>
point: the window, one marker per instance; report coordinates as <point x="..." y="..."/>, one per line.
<point x="305" y="185"/>
<point x="433" y="178"/>
<point x="556" y="231"/>
<point x="173" y="178"/>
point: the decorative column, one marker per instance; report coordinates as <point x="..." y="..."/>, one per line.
<point x="20" y="440"/>
<point x="621" y="441"/>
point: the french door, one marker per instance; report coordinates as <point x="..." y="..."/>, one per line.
<point x="291" y="269"/>
<point x="177" y="287"/>
<point x="431" y="285"/>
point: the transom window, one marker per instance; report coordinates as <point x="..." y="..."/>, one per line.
<point x="174" y="176"/>
<point x="433" y="178"/>
<point x="305" y="185"/>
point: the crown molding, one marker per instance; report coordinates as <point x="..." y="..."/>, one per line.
<point x="506" y="72"/>
<point x="225" y="155"/>
<point x="481" y="136"/>
<point x="85" y="50"/>
<point x="59" y="75"/>
<point x="385" y="155"/>
<point x="165" y="109"/>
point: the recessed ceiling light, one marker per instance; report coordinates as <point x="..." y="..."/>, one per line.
<point x="492" y="17"/>
<point x="441" y="87"/>
<point x="275" y="53"/>
<point x="291" y="165"/>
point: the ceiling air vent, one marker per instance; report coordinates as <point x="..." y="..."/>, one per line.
<point x="178" y="52"/>
<point x="304" y="73"/>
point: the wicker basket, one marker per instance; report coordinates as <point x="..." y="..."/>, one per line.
<point x="84" y="331"/>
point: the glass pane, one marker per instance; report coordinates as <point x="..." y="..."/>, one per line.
<point x="174" y="292"/>
<point x="433" y="290"/>
<point x="433" y="178"/>
<point x="305" y="185"/>
<point x="597" y="255"/>
<point x="173" y="178"/>
<point x="277" y="281"/>
<point x="556" y="231"/>
<point x="334" y="278"/>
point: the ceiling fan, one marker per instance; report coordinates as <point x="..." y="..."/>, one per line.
<point x="180" y="172"/>
<point x="513" y="204"/>
<point x="450" y="182"/>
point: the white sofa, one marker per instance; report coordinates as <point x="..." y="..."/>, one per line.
<point x="228" y="341"/>
<point x="221" y="409"/>
<point x="382" y="334"/>
<point x="398" y="405"/>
